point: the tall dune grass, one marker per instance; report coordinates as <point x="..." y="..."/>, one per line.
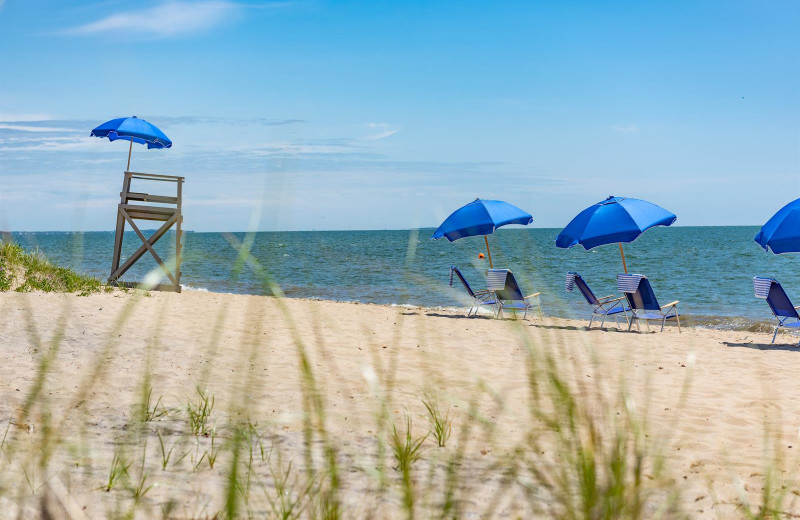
<point x="584" y="454"/>
<point x="22" y="271"/>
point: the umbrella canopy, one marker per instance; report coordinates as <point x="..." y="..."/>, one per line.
<point x="616" y="220"/>
<point x="481" y="217"/>
<point x="781" y="233"/>
<point x="134" y="130"/>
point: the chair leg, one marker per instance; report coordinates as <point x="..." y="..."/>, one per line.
<point x="591" y="320"/>
<point x="603" y="322"/>
<point x="539" y="304"/>
<point x="775" y="335"/>
<point x="663" y="322"/>
<point x="678" y="318"/>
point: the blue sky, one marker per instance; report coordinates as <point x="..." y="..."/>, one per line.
<point x="370" y="115"/>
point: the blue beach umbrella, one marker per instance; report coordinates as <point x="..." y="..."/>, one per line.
<point x="781" y="233"/>
<point x="134" y="130"/>
<point x="481" y="217"/>
<point x="616" y="220"/>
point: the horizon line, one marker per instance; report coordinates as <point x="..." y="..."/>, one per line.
<point x="339" y="230"/>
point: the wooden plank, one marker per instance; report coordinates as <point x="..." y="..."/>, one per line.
<point x="148" y="209"/>
<point x="149" y="216"/>
<point x="155" y="176"/>
<point x="146" y="197"/>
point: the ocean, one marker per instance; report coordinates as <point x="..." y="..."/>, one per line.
<point x="709" y="269"/>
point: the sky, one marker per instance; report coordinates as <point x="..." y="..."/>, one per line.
<point x="302" y="115"/>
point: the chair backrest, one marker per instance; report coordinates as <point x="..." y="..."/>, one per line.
<point x="574" y="279"/>
<point x="638" y="292"/>
<point x="496" y="279"/>
<point x="769" y="289"/>
<point x="503" y="283"/>
<point x="454" y="271"/>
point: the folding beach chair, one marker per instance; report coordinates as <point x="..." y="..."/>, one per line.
<point x="509" y="296"/>
<point x="769" y="289"/>
<point x="605" y="306"/>
<point x="643" y="303"/>
<point x="479" y="298"/>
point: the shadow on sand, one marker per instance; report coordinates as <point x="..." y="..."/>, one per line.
<point x="763" y="346"/>
<point x="457" y="316"/>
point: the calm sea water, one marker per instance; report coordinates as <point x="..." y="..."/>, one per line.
<point x="709" y="269"/>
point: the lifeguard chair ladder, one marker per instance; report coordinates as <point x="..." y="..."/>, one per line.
<point x="157" y="208"/>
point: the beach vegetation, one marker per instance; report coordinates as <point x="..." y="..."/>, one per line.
<point x="441" y="424"/>
<point x="151" y="411"/>
<point x="578" y="450"/>
<point x="140" y="486"/>
<point x="118" y="471"/>
<point x="406" y="448"/>
<point x="23" y="271"/>
<point x="165" y="453"/>
<point x="200" y="412"/>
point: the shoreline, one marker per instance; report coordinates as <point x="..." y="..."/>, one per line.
<point x="702" y="322"/>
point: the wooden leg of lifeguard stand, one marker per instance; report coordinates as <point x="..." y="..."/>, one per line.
<point x="120" y="230"/>
<point x="178" y="237"/>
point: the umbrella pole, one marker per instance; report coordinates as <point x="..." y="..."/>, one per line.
<point x="622" y="254"/>
<point x="489" y="253"/>
<point x="130" y="149"/>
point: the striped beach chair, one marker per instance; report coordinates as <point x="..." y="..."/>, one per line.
<point x="605" y="306"/>
<point x="509" y="295"/>
<point x="479" y="298"/>
<point x="769" y="289"/>
<point x="643" y="303"/>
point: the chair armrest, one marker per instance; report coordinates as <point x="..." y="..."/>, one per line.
<point x="532" y="295"/>
<point x="614" y="300"/>
<point x="797" y="307"/>
<point x="673" y="304"/>
<point x="482" y="292"/>
<point x="607" y="297"/>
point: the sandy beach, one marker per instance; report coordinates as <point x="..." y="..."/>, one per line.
<point x="720" y="407"/>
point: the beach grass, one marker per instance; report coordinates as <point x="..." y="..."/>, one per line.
<point x="30" y="271"/>
<point x="584" y="453"/>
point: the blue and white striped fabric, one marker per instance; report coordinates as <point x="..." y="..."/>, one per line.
<point x="629" y="283"/>
<point x="761" y="286"/>
<point x="496" y="279"/>
<point x="569" y="284"/>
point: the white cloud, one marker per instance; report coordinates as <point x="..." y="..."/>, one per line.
<point x="49" y="144"/>
<point x="626" y="129"/>
<point x="165" y="20"/>
<point x="6" y="117"/>
<point x="30" y="128"/>
<point x="385" y="130"/>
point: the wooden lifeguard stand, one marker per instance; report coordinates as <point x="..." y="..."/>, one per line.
<point x="160" y="208"/>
